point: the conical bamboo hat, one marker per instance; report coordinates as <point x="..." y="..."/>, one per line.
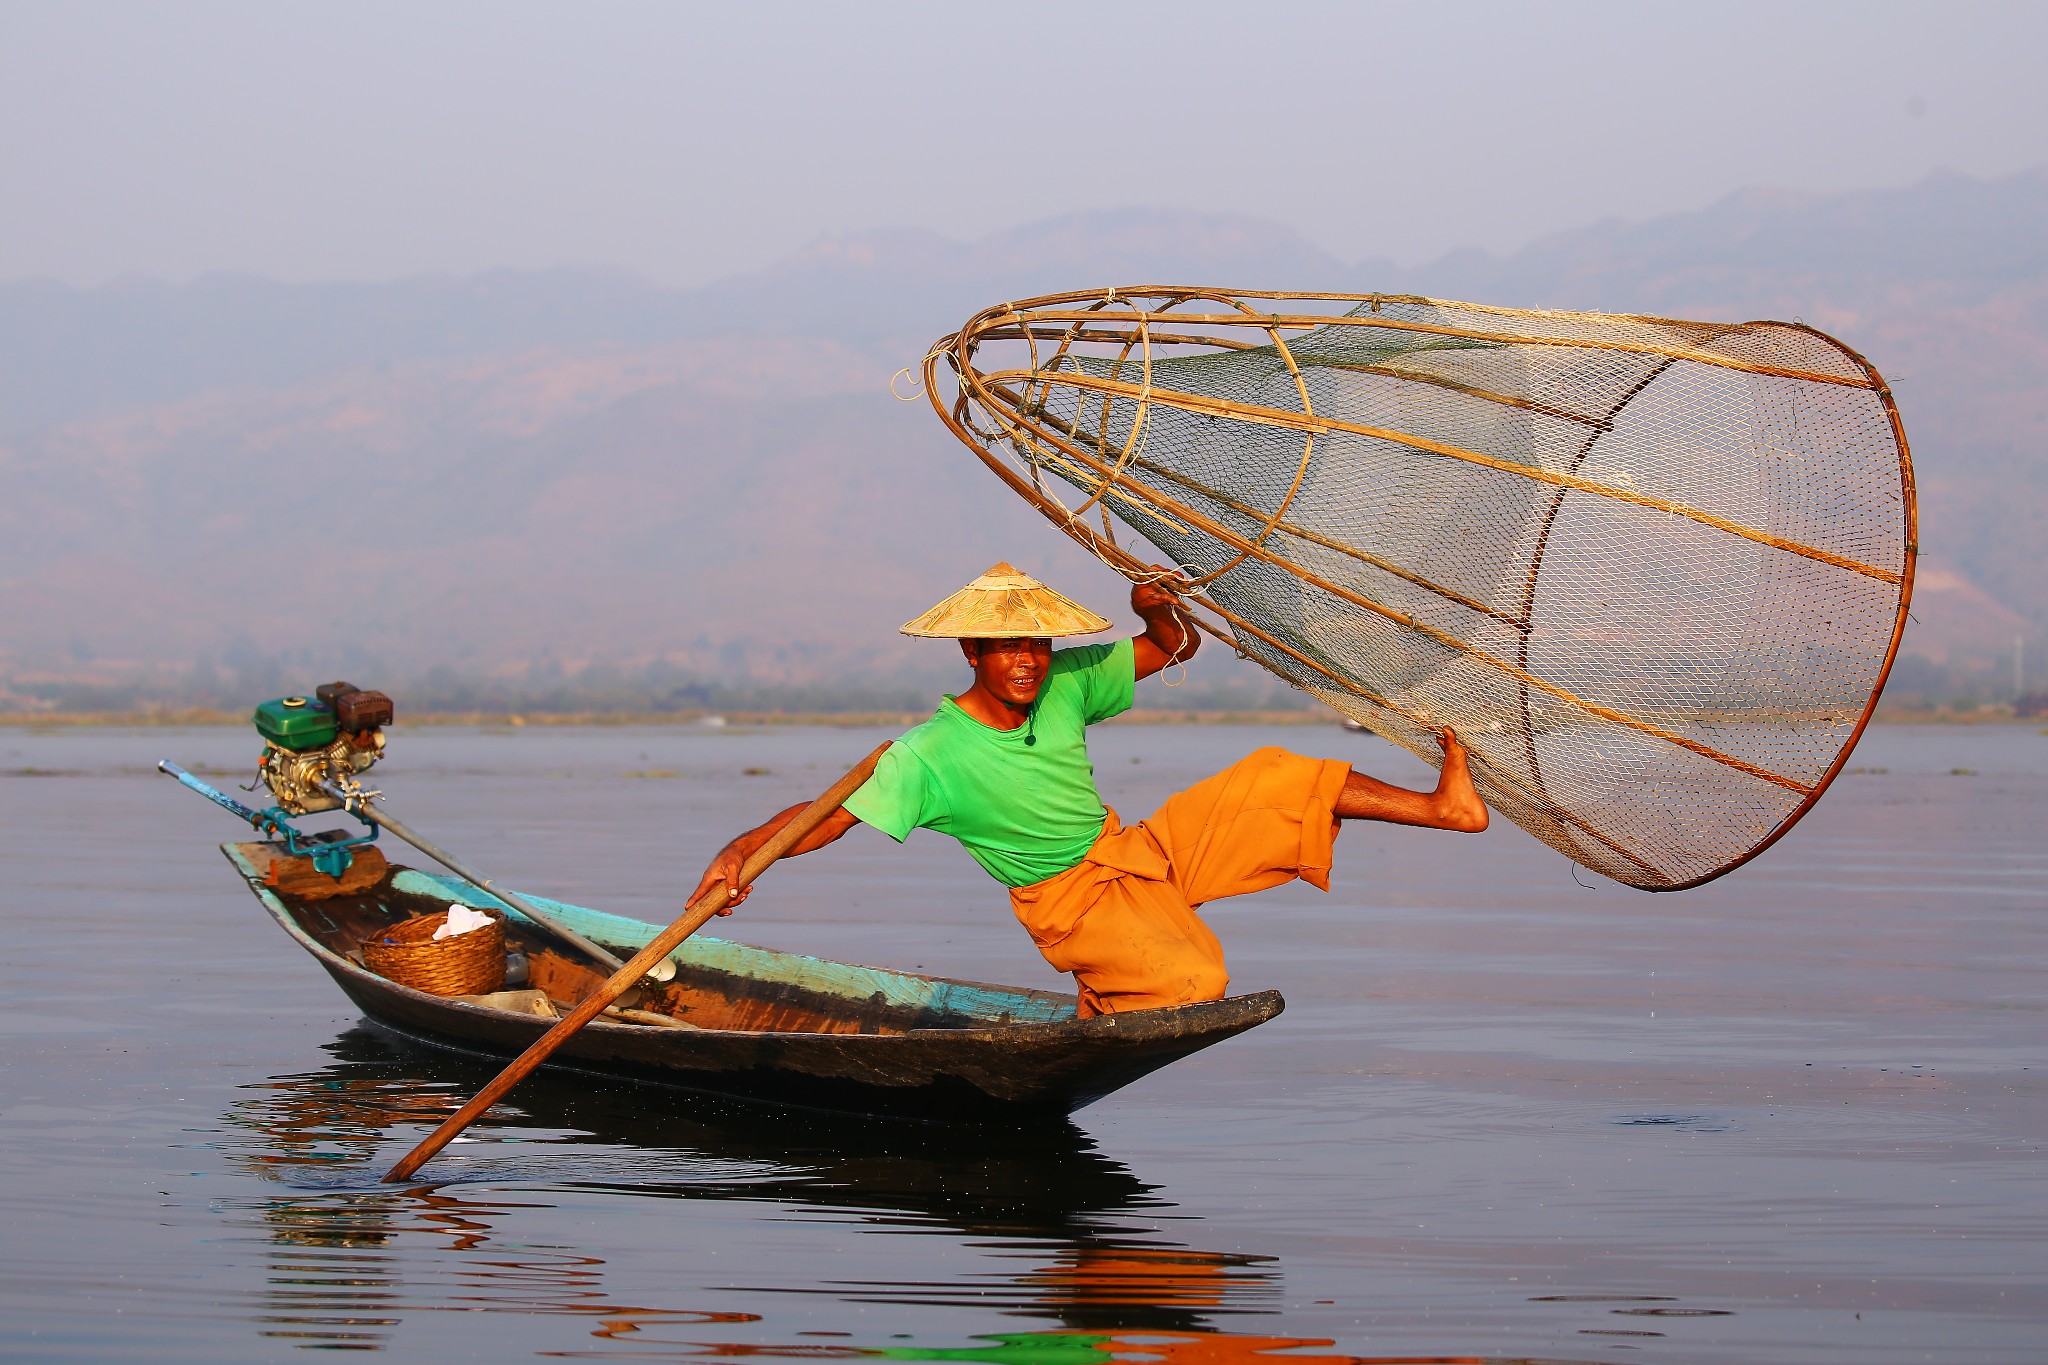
<point x="1004" y="604"/>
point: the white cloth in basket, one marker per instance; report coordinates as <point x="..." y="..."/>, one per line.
<point x="461" y="919"/>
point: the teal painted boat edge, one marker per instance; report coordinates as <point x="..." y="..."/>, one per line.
<point x="337" y="965"/>
<point x="974" y="999"/>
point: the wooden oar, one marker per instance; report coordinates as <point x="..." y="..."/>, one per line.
<point x="694" y="918"/>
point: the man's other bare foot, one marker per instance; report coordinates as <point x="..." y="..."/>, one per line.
<point x="1457" y="803"/>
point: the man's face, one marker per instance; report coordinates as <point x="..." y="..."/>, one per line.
<point x="1012" y="670"/>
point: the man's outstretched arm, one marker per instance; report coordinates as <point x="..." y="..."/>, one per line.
<point x="733" y="857"/>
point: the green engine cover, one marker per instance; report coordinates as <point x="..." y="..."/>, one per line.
<point x="296" y="723"/>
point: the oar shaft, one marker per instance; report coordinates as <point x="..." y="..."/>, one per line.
<point x="694" y="918"/>
<point x="384" y="818"/>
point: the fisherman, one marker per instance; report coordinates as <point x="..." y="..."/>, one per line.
<point x="1003" y="767"/>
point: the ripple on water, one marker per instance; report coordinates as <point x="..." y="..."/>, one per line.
<point x="1684" y="1123"/>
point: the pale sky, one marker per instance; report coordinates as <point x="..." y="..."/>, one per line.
<point x="689" y="142"/>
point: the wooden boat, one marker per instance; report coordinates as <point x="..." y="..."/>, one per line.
<point x="745" y="1021"/>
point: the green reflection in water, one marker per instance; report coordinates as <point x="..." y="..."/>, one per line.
<point x="1020" y="1348"/>
<point x="1047" y="1199"/>
<point x="344" y="1267"/>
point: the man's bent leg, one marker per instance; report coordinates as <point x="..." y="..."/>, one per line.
<point x="1265" y="820"/>
<point x="1142" y="943"/>
<point x="1126" y="923"/>
<point x="1141" y="947"/>
<point x="1124" y="931"/>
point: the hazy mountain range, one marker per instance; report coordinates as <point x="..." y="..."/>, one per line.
<point x="510" y="480"/>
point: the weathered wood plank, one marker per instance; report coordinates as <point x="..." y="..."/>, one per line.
<point x="298" y="877"/>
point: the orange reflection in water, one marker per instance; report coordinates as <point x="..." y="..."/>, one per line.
<point x="1134" y="1276"/>
<point x="1099" y="1348"/>
<point x="345" y="1267"/>
<point x="1231" y="1348"/>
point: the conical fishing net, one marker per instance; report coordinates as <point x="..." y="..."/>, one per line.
<point x="1652" y="572"/>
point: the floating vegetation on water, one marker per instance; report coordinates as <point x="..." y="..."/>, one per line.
<point x="1688" y="1123"/>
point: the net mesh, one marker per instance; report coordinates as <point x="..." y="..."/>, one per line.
<point x="1653" y="572"/>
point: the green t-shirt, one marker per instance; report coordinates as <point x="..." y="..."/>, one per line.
<point x="1025" y="810"/>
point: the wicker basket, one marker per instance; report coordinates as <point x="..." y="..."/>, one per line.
<point x="467" y="964"/>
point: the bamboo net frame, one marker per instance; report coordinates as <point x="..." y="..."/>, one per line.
<point x="1654" y="572"/>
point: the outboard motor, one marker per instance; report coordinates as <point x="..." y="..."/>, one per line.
<point x="314" y="751"/>
<point x="323" y="740"/>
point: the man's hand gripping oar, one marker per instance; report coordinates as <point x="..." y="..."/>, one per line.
<point x="694" y="918"/>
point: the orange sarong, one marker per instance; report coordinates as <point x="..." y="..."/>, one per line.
<point x="1123" y="920"/>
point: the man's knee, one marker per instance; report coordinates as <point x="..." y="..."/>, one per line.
<point x="1196" y="977"/>
<point x="1191" y="980"/>
<point x="1207" y="982"/>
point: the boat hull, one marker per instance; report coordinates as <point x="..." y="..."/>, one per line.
<point x="820" y="1034"/>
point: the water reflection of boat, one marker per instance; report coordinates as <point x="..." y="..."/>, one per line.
<point x="1054" y="1220"/>
<point x="761" y="1024"/>
<point x="1056" y="1229"/>
<point x="328" y="1126"/>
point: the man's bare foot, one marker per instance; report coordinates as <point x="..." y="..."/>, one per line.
<point x="1457" y="804"/>
<point x="1453" y="805"/>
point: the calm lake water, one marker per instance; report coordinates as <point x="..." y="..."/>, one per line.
<point x="1795" y="1116"/>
